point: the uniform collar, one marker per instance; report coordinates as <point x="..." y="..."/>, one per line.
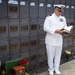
<point x="55" y="15"/>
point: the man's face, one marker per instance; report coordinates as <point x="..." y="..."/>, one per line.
<point x="57" y="12"/>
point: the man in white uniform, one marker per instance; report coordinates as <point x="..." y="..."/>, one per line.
<point x="53" y="40"/>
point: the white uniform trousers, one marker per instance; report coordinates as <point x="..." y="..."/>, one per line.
<point x="54" y="56"/>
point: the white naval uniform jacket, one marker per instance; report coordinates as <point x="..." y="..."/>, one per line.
<point x="52" y="23"/>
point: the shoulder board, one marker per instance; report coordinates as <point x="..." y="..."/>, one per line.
<point x="48" y="16"/>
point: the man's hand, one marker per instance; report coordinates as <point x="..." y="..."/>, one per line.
<point x="66" y="34"/>
<point x="58" y="31"/>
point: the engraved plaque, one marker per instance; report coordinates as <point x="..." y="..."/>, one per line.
<point x="14" y="46"/>
<point x="33" y="27"/>
<point x="24" y="28"/>
<point x="41" y="55"/>
<point x="41" y="41"/>
<point x="2" y="29"/>
<point x="25" y="45"/>
<point x="3" y="48"/>
<point x="33" y="43"/>
<point x="33" y="57"/>
<point x="13" y="9"/>
<point x="13" y="28"/>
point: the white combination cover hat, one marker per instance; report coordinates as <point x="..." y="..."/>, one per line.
<point x="59" y="5"/>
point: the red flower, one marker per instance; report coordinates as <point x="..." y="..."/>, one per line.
<point x="23" y="62"/>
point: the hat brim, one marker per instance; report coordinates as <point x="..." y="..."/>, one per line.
<point x="60" y="10"/>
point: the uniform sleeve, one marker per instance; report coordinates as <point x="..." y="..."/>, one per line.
<point x="47" y="28"/>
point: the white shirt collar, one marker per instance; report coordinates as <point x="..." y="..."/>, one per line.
<point x="55" y="15"/>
